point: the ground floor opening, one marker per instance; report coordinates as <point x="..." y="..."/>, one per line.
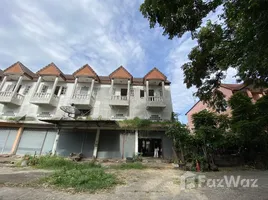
<point x="150" y="147"/>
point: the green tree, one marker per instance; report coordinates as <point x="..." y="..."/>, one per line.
<point x="239" y="41"/>
<point x="250" y="123"/>
<point x="210" y="130"/>
<point x="180" y="135"/>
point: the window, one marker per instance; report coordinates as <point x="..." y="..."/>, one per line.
<point x="151" y="93"/>
<point x="44" y="89"/>
<point x="141" y="93"/>
<point x="57" y="90"/>
<point x="10" y="88"/>
<point x="123" y="92"/>
<point x="18" y="90"/>
<point x="63" y="90"/>
<point x="132" y="92"/>
<point x="84" y="90"/>
<point x="161" y="93"/>
<point x="26" y="90"/>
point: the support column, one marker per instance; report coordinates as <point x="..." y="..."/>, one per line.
<point x="17" y="140"/>
<point x="128" y="90"/>
<point x="147" y="90"/>
<point x="54" y="88"/>
<point x="74" y="88"/>
<point x="96" y="144"/>
<point x="18" y="84"/>
<point x="92" y="86"/>
<point x="3" y="83"/>
<point x="55" y="144"/>
<point x="36" y="86"/>
<point x="163" y="90"/>
<point x="112" y="87"/>
<point x="136" y="142"/>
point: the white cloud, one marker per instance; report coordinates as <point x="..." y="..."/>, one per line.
<point x="72" y="34"/>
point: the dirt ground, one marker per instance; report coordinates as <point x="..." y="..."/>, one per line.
<point x="163" y="184"/>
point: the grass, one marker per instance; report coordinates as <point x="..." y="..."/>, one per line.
<point x="56" y="162"/>
<point x="86" y="176"/>
<point x="135" y="165"/>
<point x="89" y="180"/>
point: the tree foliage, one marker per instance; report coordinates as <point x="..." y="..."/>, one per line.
<point x="239" y="41"/>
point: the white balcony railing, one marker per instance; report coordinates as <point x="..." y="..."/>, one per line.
<point x="11" y="97"/>
<point x="83" y="100"/>
<point x="45" y="98"/>
<point x="81" y="96"/>
<point x="157" y="99"/>
<point x="155" y="102"/>
<point x="119" y="97"/>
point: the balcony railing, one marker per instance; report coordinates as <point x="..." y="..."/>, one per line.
<point x="83" y="100"/>
<point x="156" y="102"/>
<point x="118" y="97"/>
<point x="118" y="100"/>
<point x="11" y="98"/>
<point x="41" y="98"/>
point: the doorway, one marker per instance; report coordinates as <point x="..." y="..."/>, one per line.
<point x="146" y="146"/>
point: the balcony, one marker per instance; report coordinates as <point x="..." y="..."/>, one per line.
<point x="83" y="101"/>
<point x="155" y="102"/>
<point x="11" y="98"/>
<point x="118" y="100"/>
<point x="45" y="99"/>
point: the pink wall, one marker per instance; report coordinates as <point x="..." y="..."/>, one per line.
<point x="201" y="106"/>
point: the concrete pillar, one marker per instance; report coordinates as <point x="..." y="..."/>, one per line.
<point x="91" y="87"/>
<point x="17" y="140"/>
<point x="96" y="144"/>
<point x="128" y="90"/>
<point x="54" y="87"/>
<point x="55" y="144"/>
<point x="3" y="83"/>
<point x="112" y="87"/>
<point x="163" y="90"/>
<point x="136" y="142"/>
<point x="36" y="86"/>
<point x="18" y="84"/>
<point x="74" y="88"/>
<point x="147" y="90"/>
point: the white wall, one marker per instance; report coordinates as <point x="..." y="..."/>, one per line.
<point x="101" y="107"/>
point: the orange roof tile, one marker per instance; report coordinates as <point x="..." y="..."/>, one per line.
<point x="19" y="68"/>
<point x="155" y="74"/>
<point x="121" y="72"/>
<point x="51" y="69"/>
<point x="86" y="70"/>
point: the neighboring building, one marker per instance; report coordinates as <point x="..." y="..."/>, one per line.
<point x="228" y="90"/>
<point x="32" y="121"/>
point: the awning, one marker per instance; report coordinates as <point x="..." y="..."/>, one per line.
<point x="70" y="123"/>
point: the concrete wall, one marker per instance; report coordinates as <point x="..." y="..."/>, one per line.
<point x="101" y="108"/>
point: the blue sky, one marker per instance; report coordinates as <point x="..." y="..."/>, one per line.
<point x="104" y="34"/>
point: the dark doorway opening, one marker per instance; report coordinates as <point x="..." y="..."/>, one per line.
<point x="148" y="145"/>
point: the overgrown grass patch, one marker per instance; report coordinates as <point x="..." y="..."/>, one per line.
<point x="90" y="179"/>
<point x="135" y="165"/>
<point x="56" y="162"/>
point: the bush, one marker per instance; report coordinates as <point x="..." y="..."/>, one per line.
<point x="90" y="179"/>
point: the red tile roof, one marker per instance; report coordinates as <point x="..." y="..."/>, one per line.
<point x="19" y="68"/>
<point x="86" y="70"/>
<point x="50" y="70"/>
<point x="121" y="72"/>
<point x="155" y="74"/>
